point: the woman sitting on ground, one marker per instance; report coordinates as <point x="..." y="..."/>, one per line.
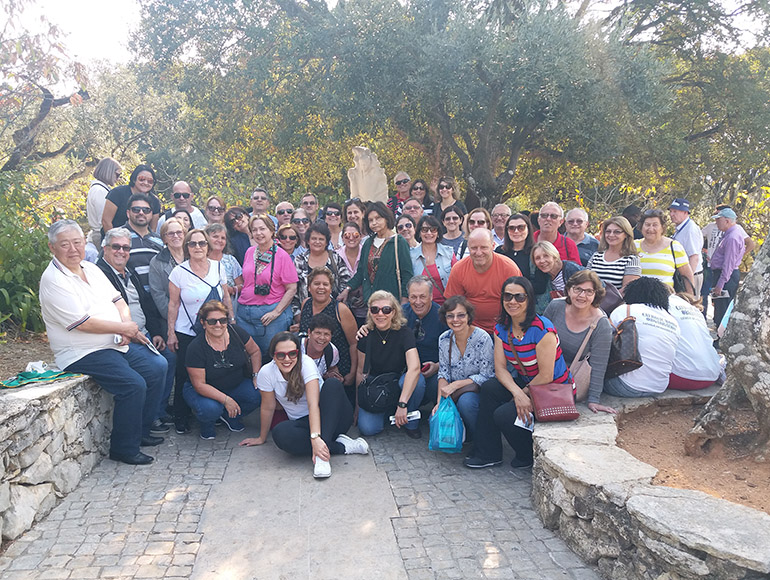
<point x="551" y="274"/>
<point x="319" y="412"/>
<point x="616" y="262"/>
<point x="647" y="301"/>
<point x="573" y="317"/>
<point x="527" y="352"/>
<point x="222" y="365"/>
<point x="696" y="364"/>
<point x="465" y="359"/>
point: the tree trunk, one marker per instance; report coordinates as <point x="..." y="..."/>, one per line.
<point x="747" y="347"/>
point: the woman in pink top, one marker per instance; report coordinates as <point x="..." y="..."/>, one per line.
<point x="269" y="284"/>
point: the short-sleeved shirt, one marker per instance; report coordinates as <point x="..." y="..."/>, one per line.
<point x="388" y="356"/>
<point x="193" y="292"/>
<point x="320" y="362"/>
<point x="689" y="235"/>
<point x="66" y="302"/>
<point x="224" y="369"/>
<point x="613" y="272"/>
<point x="271" y="379"/>
<point x="713" y="236"/>
<point x="567" y="248"/>
<point x="284" y="273"/>
<point x="696" y="359"/>
<point x="663" y="264"/>
<point x="119" y="196"/>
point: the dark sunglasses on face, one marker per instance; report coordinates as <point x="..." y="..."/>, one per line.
<point x="518" y="297"/>
<point x="549" y="216"/>
<point x="402" y="181"/>
<point x="333" y="213"/>
<point x="292" y="238"/>
<point x="236" y="219"/>
<point x="215" y="321"/>
<point x="351" y="235"/>
<point x="199" y="244"/>
<point x="300" y="221"/>
<point x="284" y="211"/>
<point x="292" y="354"/>
<point x="258" y="198"/>
<point x="444" y="186"/>
<point x="118" y="247"/>
<point x="426" y="229"/>
<point x="377" y="309"/>
<point x="418" y="188"/>
<point x="477" y="222"/>
<point x="519" y="228"/>
<point x="406" y="226"/>
<point x="184" y="195"/>
<point x="145" y="210"/>
<point x="215" y="209"/>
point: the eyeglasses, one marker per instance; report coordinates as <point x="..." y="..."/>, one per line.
<point x="284" y="211"/>
<point x="518" y="297"/>
<point x="402" y="181"/>
<point x="292" y="238"/>
<point x="613" y="232"/>
<point x="418" y="188"/>
<point x="198" y="244"/>
<point x="587" y="291"/>
<point x="377" y="309"/>
<point x="452" y="218"/>
<point x="548" y="216"/>
<point x="175" y="234"/>
<point x="177" y="195"/>
<point x="499" y="216"/>
<point x="258" y="198"/>
<point x="138" y="210"/>
<point x="333" y="213"/>
<point x="118" y="248"/>
<point x="457" y="316"/>
<point x="412" y="208"/>
<point x="351" y="235"/>
<point x="404" y="226"/>
<point x="215" y="321"/>
<point x="429" y="229"/>
<point x="519" y="228"/>
<point x="444" y="186"/>
<point x="215" y="209"/>
<point x="477" y="222"/>
<point x="292" y="354"/>
<point x="300" y="221"/>
<point x="575" y="222"/>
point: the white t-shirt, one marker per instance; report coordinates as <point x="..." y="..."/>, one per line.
<point x="271" y="379"/>
<point x="320" y="362"/>
<point x="689" y="235"/>
<point x="696" y="359"/>
<point x="193" y="292"/>
<point x="658" y="337"/>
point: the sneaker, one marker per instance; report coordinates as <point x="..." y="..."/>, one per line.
<point x="353" y="446"/>
<point x="232" y="423"/>
<point x="321" y="469"/>
<point x="478" y="463"/>
<point x="208" y="432"/>
<point x="517" y="463"/>
<point x="159" y="426"/>
<point x="181" y="426"/>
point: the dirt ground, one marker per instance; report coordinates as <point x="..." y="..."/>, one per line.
<point x="16" y="352"/>
<point x="727" y="472"/>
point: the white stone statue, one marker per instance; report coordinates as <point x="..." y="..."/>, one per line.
<point x="367" y="179"/>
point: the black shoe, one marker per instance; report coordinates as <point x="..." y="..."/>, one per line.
<point x="413" y="433"/>
<point x="159" y="426"/>
<point x="182" y="426"/>
<point x="138" y="459"/>
<point x="517" y="463"/>
<point x="478" y="463"/>
<point x="151" y="441"/>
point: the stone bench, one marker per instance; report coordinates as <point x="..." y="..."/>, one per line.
<point x="51" y="435"/>
<point x="601" y="501"/>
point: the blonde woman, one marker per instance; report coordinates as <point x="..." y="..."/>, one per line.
<point x="616" y="261"/>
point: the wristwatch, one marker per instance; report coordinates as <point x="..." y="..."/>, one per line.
<point x="401" y="405"/>
<point x="255" y="375"/>
<point x="315" y="435"/>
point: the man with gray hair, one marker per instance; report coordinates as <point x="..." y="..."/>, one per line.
<point x="500" y="215"/>
<point x="403" y="183"/>
<point x="726" y="261"/>
<point x="577" y="224"/>
<point x="90" y="331"/>
<point x="550" y="218"/>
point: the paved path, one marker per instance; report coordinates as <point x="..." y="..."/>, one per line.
<point x="210" y="510"/>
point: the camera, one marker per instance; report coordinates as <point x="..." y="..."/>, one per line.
<point x="262" y="290"/>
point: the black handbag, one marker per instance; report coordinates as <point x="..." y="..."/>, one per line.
<point x="624" y="351"/>
<point x="681" y="284"/>
<point x="377" y="394"/>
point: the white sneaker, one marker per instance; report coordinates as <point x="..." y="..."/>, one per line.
<point x="353" y="446"/>
<point x="322" y="468"/>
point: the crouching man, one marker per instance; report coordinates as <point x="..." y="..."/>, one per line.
<point x="90" y="332"/>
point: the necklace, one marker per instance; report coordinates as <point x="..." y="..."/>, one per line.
<point x="387" y="334"/>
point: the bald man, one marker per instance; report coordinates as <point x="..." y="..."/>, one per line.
<point x="182" y="195"/>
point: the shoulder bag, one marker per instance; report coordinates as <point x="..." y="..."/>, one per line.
<point x="197" y="325"/>
<point x="552" y="401"/>
<point x="681" y="284"/>
<point x="612" y="298"/>
<point x="377" y="394"/>
<point x="624" y="351"/>
<point x="581" y="369"/>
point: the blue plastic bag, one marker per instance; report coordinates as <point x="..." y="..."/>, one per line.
<point x="446" y="428"/>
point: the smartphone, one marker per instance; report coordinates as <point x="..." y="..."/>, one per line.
<point x="425" y="368"/>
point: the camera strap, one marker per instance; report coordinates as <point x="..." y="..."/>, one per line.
<point x="272" y="268"/>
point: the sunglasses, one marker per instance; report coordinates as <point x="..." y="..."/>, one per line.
<point x="402" y="181"/>
<point x="418" y="188"/>
<point x="284" y="211"/>
<point x="215" y="209"/>
<point x="300" y="221"/>
<point x="549" y="216"/>
<point x="144" y="210"/>
<point x="427" y="229"/>
<point x="406" y="226"/>
<point x="518" y="297"/>
<point x="444" y="186"/>
<point x="574" y="222"/>
<point x="333" y="213"/>
<point x="199" y="244"/>
<point x="258" y="199"/>
<point x="453" y="218"/>
<point x="184" y="195"/>
<point x="477" y="222"/>
<point x="412" y="208"/>
<point x="292" y="354"/>
<point x="215" y="321"/>
<point x="118" y="247"/>
<point x="292" y="238"/>
<point x="351" y="235"/>
<point x="519" y="228"/>
<point x="377" y="309"/>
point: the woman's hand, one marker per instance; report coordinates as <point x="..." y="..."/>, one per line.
<point x="523" y="405"/>
<point x="232" y="290"/>
<point x="251" y="442"/>
<point x="401" y="419"/>
<point x="269" y="317"/>
<point x="362" y="332"/>
<point x="172" y="343"/>
<point x="596" y="407"/>
<point x="343" y="296"/>
<point x="320" y="449"/>
<point x="433" y="412"/>
<point x="447" y="389"/>
<point x="432" y="369"/>
<point x="349" y="378"/>
<point x="232" y="408"/>
<point x="294" y="327"/>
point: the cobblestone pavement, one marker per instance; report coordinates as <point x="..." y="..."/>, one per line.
<point x="143" y="522"/>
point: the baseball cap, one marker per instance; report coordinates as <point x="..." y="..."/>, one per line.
<point x="725" y="213"/>
<point x="680" y="203"/>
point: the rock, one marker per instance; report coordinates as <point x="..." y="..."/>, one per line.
<point x="26" y="501"/>
<point x="562" y="498"/>
<point x="38" y="472"/>
<point x="56" y="448"/>
<point x="5" y="496"/>
<point x="31" y="453"/>
<point x="66" y="476"/>
<point x="599" y="428"/>
<point x="683" y="562"/>
<point x="700" y="522"/>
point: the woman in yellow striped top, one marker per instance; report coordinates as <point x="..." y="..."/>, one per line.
<point x="660" y="256"/>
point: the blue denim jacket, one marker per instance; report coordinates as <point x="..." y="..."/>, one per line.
<point x="443" y="261"/>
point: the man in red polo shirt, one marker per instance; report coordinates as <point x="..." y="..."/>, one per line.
<point x="551" y="216"/>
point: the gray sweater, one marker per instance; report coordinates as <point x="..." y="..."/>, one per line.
<point x="597" y="349"/>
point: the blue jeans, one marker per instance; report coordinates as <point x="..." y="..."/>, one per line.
<point x="373" y="423"/>
<point x="169" y="384"/>
<point x="468" y="406"/>
<point x="249" y="318"/>
<point x="618" y="388"/>
<point x="208" y="410"/>
<point x="135" y="379"/>
<point x="431" y="390"/>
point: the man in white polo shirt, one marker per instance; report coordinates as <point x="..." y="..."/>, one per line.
<point x="688" y="234"/>
<point x="90" y="332"/>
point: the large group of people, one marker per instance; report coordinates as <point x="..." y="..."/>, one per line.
<point x="211" y="313"/>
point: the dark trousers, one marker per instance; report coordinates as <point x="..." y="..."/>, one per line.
<point x="721" y="304"/>
<point x="497" y="413"/>
<point x="293" y="436"/>
<point x="182" y="410"/>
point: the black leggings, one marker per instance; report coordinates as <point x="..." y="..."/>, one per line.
<point x="182" y="410"/>
<point x="497" y="413"/>
<point x="293" y="436"/>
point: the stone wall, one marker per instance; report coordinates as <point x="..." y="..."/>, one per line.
<point x="51" y="435"/>
<point x="600" y="500"/>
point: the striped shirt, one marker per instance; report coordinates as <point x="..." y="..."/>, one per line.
<point x="613" y="272"/>
<point x="526" y="349"/>
<point x="143" y="250"/>
<point x="661" y="264"/>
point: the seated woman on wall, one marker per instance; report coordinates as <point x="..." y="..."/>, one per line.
<point x="551" y="274"/>
<point x="647" y="301"/>
<point x="319" y="412"/>
<point x="696" y="364"/>
<point x="222" y="383"/>
<point x="573" y="316"/>
<point x="616" y="262"/>
<point x="393" y="350"/>
<point x="538" y="360"/>
<point x="465" y="359"/>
